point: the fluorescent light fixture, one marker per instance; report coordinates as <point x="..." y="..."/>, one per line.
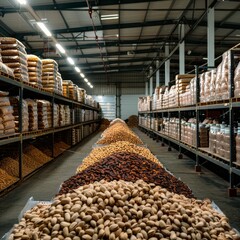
<point x="109" y="16"/>
<point x="91" y="86"/>
<point x="77" y="69"/>
<point x="44" y="29"/>
<point x="22" y="2"/>
<point x="85" y="79"/>
<point x="60" y="48"/>
<point x="70" y="61"/>
<point x="88" y="83"/>
<point x="205" y="58"/>
<point x="82" y="75"/>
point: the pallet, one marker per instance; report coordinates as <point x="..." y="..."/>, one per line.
<point x="214" y="155"/>
<point x="7" y="75"/>
<point x="235" y="99"/>
<point x="8" y="136"/>
<point x="213" y="102"/>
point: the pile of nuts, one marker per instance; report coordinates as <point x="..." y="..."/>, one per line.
<point x="123" y="210"/>
<point x="121" y="146"/>
<point x="125" y="166"/>
<point x="119" y="131"/>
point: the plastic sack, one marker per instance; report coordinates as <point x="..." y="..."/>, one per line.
<point x="10" y="40"/>
<point x="237" y="73"/>
<point x="13" y="46"/>
<point x="3" y="94"/>
<point x="9" y="125"/>
<point x="13" y="59"/>
<point x="33" y="58"/>
<point x="6" y="110"/>
<point x="5" y="69"/>
<point x="4" y="101"/>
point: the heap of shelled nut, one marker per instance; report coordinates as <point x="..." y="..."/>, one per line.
<point x="119" y="132"/>
<point x="123" y="210"/>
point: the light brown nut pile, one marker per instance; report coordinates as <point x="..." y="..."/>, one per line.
<point x="124" y="210"/>
<point x="118" y="132"/>
<point x="122" y="146"/>
<point x="6" y="179"/>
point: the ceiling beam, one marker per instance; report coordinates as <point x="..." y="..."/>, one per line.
<point x="74" y="5"/>
<point x="130" y="25"/>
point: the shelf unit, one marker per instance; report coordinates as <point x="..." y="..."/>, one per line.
<point x="25" y="90"/>
<point x="230" y="105"/>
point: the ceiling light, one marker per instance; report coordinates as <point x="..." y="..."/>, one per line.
<point x="44" y="29"/>
<point x="85" y="79"/>
<point x="22" y="2"/>
<point x="205" y="58"/>
<point x="109" y="16"/>
<point x="77" y="69"/>
<point x="60" y="48"/>
<point x="70" y="61"/>
<point x="88" y="83"/>
<point x="82" y="75"/>
<point x="91" y="86"/>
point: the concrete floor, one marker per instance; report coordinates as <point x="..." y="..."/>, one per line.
<point x="45" y="183"/>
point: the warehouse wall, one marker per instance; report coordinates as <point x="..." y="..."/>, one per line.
<point x="129" y="105"/>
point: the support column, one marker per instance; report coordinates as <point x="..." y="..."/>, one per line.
<point x="146" y="88"/>
<point x="167" y="66"/>
<point x="211" y="38"/>
<point x="157" y="73"/>
<point x="181" y="32"/>
<point x="151" y="81"/>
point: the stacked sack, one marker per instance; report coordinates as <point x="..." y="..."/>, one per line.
<point x="55" y="115"/>
<point x="25" y="118"/>
<point x="67" y="115"/>
<point x="33" y="115"/>
<point x="62" y="115"/>
<point x="49" y="75"/>
<point x="7" y="124"/>
<point x="49" y="114"/>
<point x="35" y="70"/>
<point x="5" y="69"/>
<point x="59" y="89"/>
<point x="14" y="56"/>
<point x="237" y="81"/>
<point x="42" y="106"/>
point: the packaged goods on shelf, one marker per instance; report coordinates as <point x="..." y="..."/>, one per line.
<point x="4" y="69"/>
<point x="144" y="103"/>
<point x="50" y="75"/>
<point x="44" y="114"/>
<point x="59" y="89"/>
<point x="35" y="70"/>
<point x="76" y="135"/>
<point x="66" y="84"/>
<point x="238" y="146"/>
<point x="81" y="93"/>
<point x="173" y="100"/>
<point x="7" y="124"/>
<point x="62" y="119"/>
<point x="219" y="140"/>
<point x="14" y="56"/>
<point x="55" y="115"/>
<point x="73" y="91"/>
<point x="33" y="114"/>
<point x="67" y="115"/>
<point x="25" y="116"/>
<point x="237" y="81"/>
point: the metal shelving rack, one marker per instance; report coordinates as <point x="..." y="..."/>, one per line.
<point x="21" y="89"/>
<point x="231" y="105"/>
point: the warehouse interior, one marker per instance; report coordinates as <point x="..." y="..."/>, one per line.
<point x="101" y="97"/>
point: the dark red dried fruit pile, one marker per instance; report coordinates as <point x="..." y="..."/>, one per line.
<point x="129" y="167"/>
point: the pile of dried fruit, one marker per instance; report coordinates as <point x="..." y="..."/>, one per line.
<point x="122" y="146"/>
<point x="123" y="210"/>
<point x="125" y="166"/>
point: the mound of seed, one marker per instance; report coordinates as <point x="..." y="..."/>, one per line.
<point x="122" y="146"/>
<point x="125" y="166"/>
<point x="124" y="210"/>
